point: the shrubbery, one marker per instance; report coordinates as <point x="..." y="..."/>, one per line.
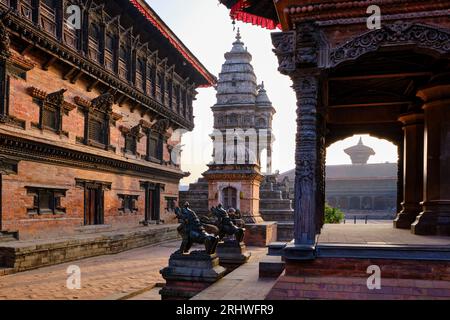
<point x="333" y="215"/>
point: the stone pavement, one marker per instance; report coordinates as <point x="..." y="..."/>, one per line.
<point x="103" y="277"/>
<point x="241" y="284"/>
<point x="382" y="233"/>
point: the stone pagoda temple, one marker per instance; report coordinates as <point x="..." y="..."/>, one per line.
<point x="242" y="132"/>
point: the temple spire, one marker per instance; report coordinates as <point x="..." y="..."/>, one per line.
<point x="360" y="153"/>
<point x="238" y="35"/>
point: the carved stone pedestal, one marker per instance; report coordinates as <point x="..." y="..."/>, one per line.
<point x="189" y="274"/>
<point x="232" y="254"/>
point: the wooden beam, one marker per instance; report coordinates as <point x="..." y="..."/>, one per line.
<point x="382" y="76"/>
<point x="375" y="104"/>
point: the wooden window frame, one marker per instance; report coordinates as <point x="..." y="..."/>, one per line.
<point x="127" y="200"/>
<point x="55" y="195"/>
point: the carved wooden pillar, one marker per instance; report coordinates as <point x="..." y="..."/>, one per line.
<point x="412" y="169"/>
<point x="299" y="56"/>
<point x="435" y="217"/>
<point x="4" y="77"/>
<point x="307" y="160"/>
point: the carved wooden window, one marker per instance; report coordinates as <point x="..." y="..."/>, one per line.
<point x="129" y="203"/>
<point x="50" y="118"/>
<point x="25" y="8"/>
<point x="48" y="16"/>
<point x="155" y="147"/>
<point x="184" y="103"/>
<point x="98" y="127"/>
<point x="159" y="87"/>
<point x="170" y="93"/>
<point x="140" y="74"/>
<point x="130" y="144"/>
<point x="177" y="98"/>
<point x="110" y="52"/>
<point x="171" y="203"/>
<point x="71" y="36"/>
<point x="123" y="61"/>
<point x="151" y="82"/>
<point x="94" y="42"/>
<point x="46" y="200"/>
<point x="52" y="107"/>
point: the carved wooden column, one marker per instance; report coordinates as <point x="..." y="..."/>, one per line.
<point x="412" y="169"/>
<point x="435" y="217"/>
<point x="4" y="77"/>
<point x="299" y="56"/>
<point x="307" y="160"/>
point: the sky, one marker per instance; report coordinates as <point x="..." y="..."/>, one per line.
<point x="206" y="29"/>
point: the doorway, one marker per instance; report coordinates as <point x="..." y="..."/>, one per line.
<point x="94" y="213"/>
<point x="152" y="201"/>
<point x="229" y="198"/>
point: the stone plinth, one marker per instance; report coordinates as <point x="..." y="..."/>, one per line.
<point x="274" y="207"/>
<point x="189" y="274"/>
<point x="232" y="254"/>
<point x="260" y="234"/>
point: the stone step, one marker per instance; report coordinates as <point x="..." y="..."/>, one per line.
<point x="354" y="288"/>
<point x="94" y="229"/>
<point x="271" y="267"/>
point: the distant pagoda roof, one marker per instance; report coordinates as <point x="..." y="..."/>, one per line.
<point x="360" y="153"/>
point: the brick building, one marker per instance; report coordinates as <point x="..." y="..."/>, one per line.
<point x="89" y="117"/>
<point x="359" y="189"/>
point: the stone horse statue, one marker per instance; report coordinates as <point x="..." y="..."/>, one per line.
<point x="226" y="225"/>
<point x="192" y="231"/>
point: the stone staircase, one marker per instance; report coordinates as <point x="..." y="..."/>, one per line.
<point x="354" y="288"/>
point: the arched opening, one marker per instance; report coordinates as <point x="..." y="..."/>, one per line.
<point x="362" y="178"/>
<point x="229" y="196"/>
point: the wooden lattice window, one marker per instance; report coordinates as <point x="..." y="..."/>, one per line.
<point x="97" y="128"/>
<point x="46" y="200"/>
<point x="130" y="144"/>
<point x="171" y="203"/>
<point x="129" y="203"/>
<point x="155" y="147"/>
<point x="51" y="111"/>
<point x="50" y="118"/>
<point x="110" y="53"/>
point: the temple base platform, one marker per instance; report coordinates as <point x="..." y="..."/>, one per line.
<point x="189" y="274"/>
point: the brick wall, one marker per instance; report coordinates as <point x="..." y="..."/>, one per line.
<point x="15" y="199"/>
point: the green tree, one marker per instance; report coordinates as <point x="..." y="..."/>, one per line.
<point x="333" y="215"/>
